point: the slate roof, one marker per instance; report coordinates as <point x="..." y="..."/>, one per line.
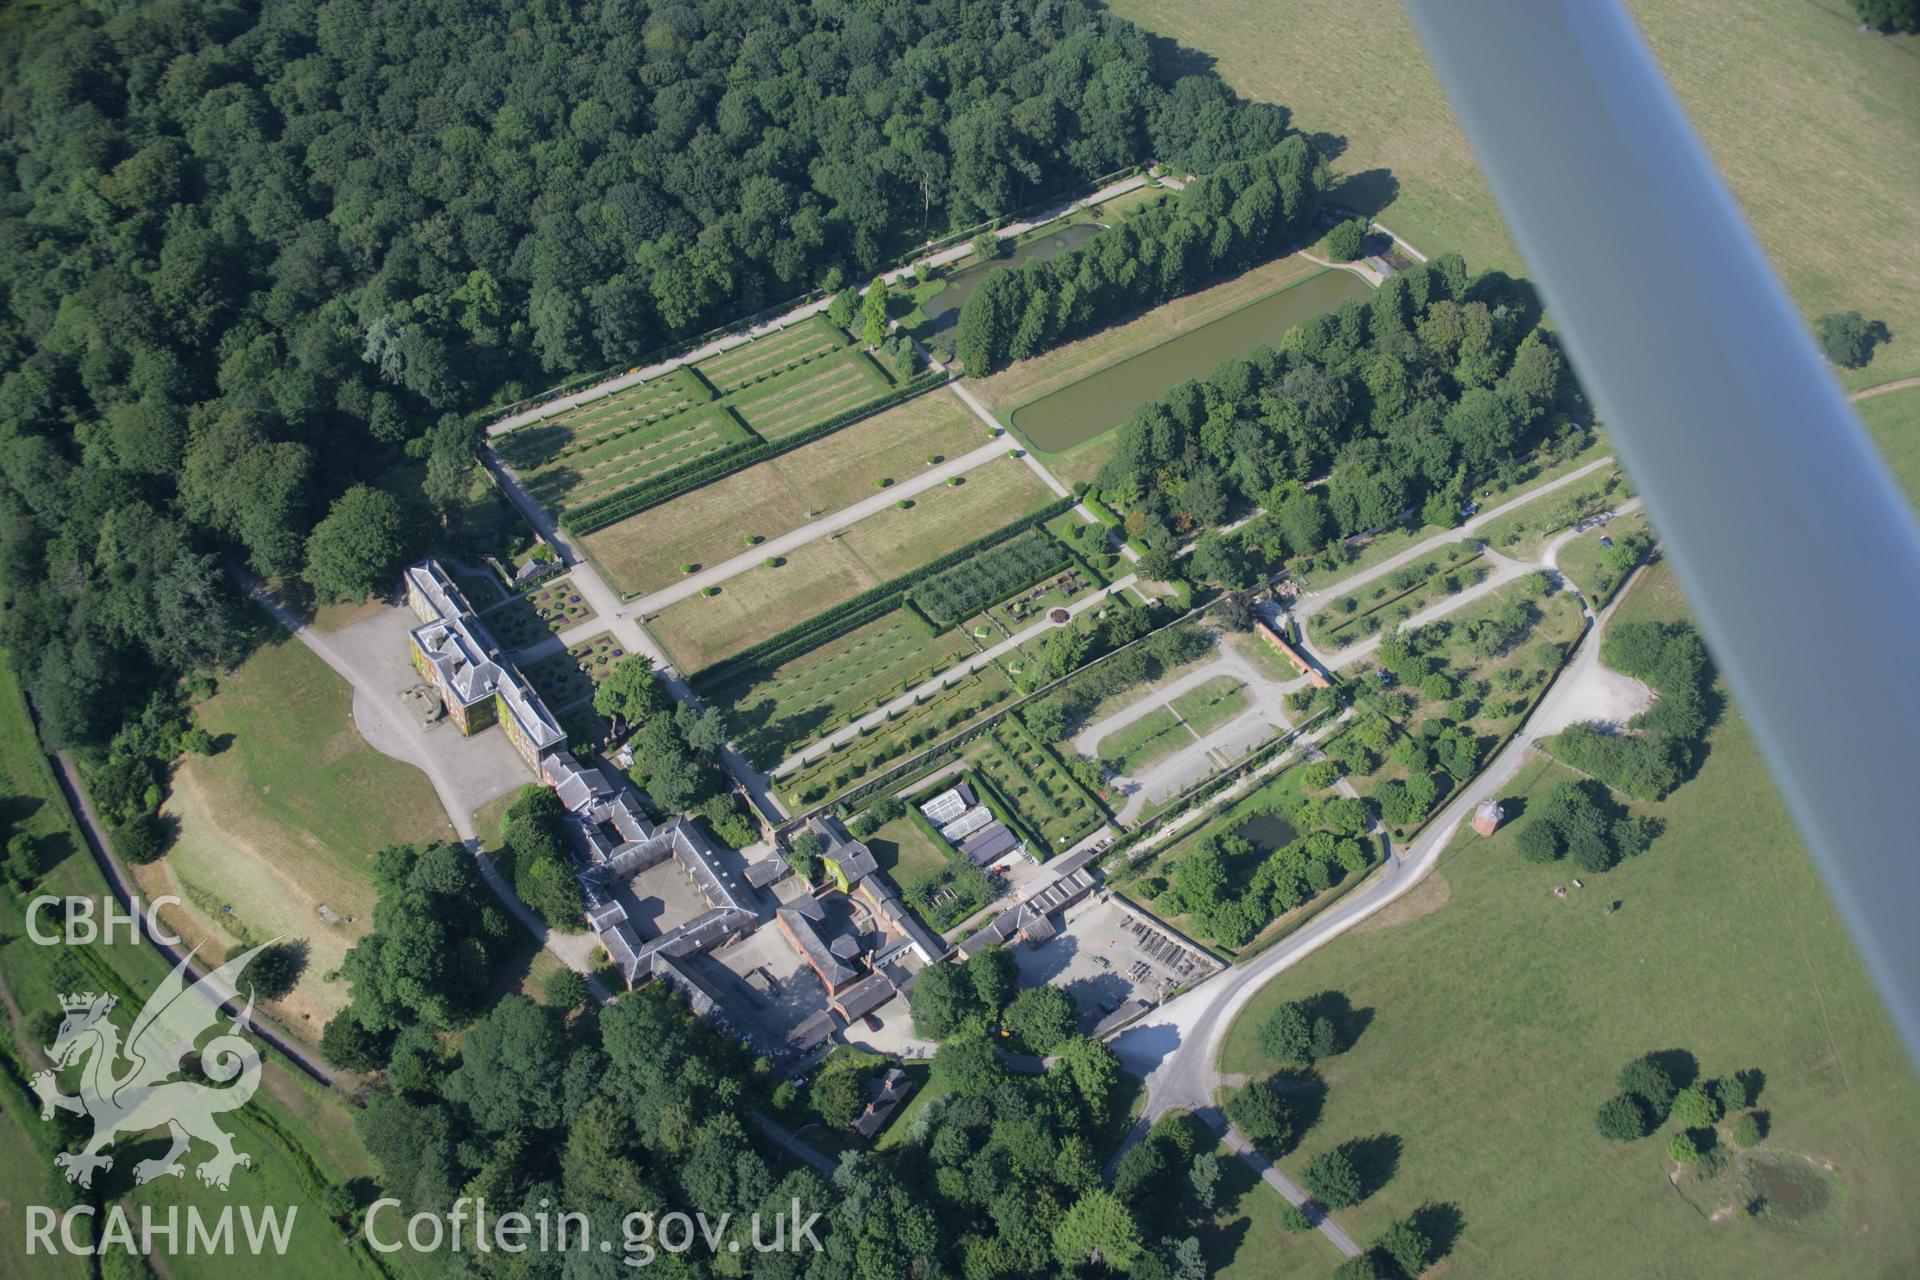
<point x="469" y="661"/>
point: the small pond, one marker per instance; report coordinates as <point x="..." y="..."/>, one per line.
<point x="1103" y="400"/>
<point x="1266" y="832"/>
<point x="943" y="309"/>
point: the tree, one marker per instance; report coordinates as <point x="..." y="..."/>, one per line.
<point x="273" y="972"/>
<point x="1407" y="1245"/>
<point x="1331" y="1179"/>
<point x="632" y="691"/>
<point x="359" y="546"/>
<point x="1681" y="1147"/>
<point x="23" y="859"/>
<point x="508" y="1063"/>
<point x="140" y="839"/>
<point x="840" y="1096"/>
<point x="1746" y="1130"/>
<point x="1042" y="1017"/>
<point x="1695" y="1108"/>
<point x="1360" y="1268"/>
<point x="348" y="1045"/>
<point x="1346" y="240"/>
<point x="942" y="999"/>
<point x="1846" y="337"/>
<point x="844" y="304"/>
<point x="994" y="975"/>
<point x="1285" y="1036"/>
<point x="1648" y="1080"/>
<point x="1098" y="1228"/>
<point x="873" y="314"/>
<point x="1204" y="1177"/>
<point x="1258" y="1112"/>
<point x="1538" y="842"/>
<point x="565" y="989"/>
<point x="1888" y="16"/>
<point x="1621" y="1118"/>
<point x="803" y="855"/>
<point x="1294" y="1219"/>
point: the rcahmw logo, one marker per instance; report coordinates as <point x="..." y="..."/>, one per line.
<point x="137" y="1086"/>
<point x="160" y="1231"/>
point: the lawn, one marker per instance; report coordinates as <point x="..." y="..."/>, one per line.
<point x="896" y="541"/>
<point x="1154" y="736"/>
<point x="1246" y="1241"/>
<point x="565" y="471"/>
<point x="1212" y="704"/>
<point x="1813" y="124"/>
<point x="1580" y="559"/>
<point x="904" y="852"/>
<point x="1028" y="380"/>
<point x="1498" y="1015"/>
<point x="767" y="599"/>
<point x="645" y="552"/>
<point x="1392" y="599"/>
<point x="822" y="689"/>
<point x="278" y="829"/>
<point x="762" y="602"/>
<point x="1894" y="420"/>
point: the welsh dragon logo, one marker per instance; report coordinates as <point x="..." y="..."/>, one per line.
<point x="128" y="1089"/>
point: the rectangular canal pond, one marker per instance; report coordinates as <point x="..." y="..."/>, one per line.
<point x="943" y="309"/>
<point x="1101" y="401"/>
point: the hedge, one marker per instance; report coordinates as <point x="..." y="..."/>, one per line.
<point x="646" y="494"/>
<point x="863" y="608"/>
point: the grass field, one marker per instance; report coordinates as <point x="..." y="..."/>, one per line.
<point x="1030" y="379"/>
<point x="824" y="688"/>
<point x="1894" y="420"/>
<point x="1154" y="736"/>
<point x="1499" y="1015"/>
<point x="644" y="552"/>
<point x="904" y="852"/>
<point x="285" y="819"/>
<point x="1212" y="704"/>
<point x="766" y="600"/>
<point x="1813" y="124"/>
<point x="1580" y="560"/>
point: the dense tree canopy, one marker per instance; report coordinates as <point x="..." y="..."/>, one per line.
<point x="253" y="256"/>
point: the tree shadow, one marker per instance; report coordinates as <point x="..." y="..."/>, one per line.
<point x="1441" y="1224"/>
<point x="1680" y="1065"/>
<point x="1375" y="1159"/>
<point x="1305" y="1094"/>
<point x="1366" y="193"/>
<point x="1752" y="1080"/>
<point x="1349" y="1023"/>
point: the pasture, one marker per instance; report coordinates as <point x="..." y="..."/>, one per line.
<point x="1813" y="124"/>
<point x="1485" y="1001"/>
<point x="644" y="552"/>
